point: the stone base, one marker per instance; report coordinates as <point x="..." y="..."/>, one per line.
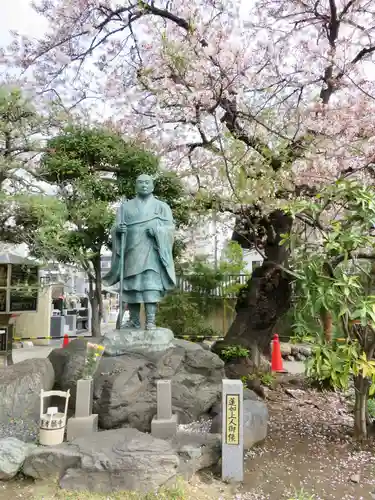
<point x="125" y="385"/>
<point x="106" y="462"/>
<point x="128" y="340"/>
<point x="164" y="428"/>
<point x="82" y="426"/>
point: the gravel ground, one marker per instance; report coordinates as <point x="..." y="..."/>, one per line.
<point x="24" y="430"/>
<point x="309" y="447"/>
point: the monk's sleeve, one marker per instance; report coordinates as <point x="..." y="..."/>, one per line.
<point x="164" y="235"/>
<point x="113" y="276"/>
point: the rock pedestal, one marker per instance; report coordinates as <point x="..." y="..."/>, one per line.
<point x="116" y="460"/>
<point x="141" y="341"/>
<point x="125" y="384"/>
<point x="123" y="459"/>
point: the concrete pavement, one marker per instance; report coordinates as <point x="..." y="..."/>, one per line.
<point x="294" y="367"/>
<point x="38" y="351"/>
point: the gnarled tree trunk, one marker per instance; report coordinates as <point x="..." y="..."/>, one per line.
<point x="266" y="296"/>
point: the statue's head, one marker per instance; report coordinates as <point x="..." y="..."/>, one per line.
<point x="144" y="185"/>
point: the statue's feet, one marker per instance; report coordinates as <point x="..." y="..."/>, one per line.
<point x="132" y="324"/>
<point x="151" y="326"/>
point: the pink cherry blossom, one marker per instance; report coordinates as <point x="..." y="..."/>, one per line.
<point x="245" y="99"/>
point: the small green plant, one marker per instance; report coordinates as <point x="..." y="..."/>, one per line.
<point x="267" y="379"/>
<point x="234" y="352"/>
<point x="302" y="495"/>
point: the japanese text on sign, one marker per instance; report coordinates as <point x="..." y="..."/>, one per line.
<point x="232" y="434"/>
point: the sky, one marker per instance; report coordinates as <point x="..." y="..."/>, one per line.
<point x="18" y="15"/>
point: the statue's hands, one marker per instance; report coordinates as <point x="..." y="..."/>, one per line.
<point x="122" y="228"/>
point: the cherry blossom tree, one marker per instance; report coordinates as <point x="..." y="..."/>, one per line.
<point x="252" y="104"/>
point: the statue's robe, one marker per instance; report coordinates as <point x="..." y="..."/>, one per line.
<point x="148" y="262"/>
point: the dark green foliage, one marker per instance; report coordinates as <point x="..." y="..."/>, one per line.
<point x="94" y="168"/>
<point x="185" y="313"/>
<point x="330" y="366"/>
<point x="80" y="151"/>
<point x="179" y="311"/>
<point x="233" y="352"/>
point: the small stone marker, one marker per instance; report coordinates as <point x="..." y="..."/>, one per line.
<point x="84" y="422"/>
<point x="232" y="442"/>
<point x="84" y="398"/>
<point x="164" y="426"/>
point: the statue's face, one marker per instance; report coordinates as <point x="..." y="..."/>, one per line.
<point x="144" y="185"/>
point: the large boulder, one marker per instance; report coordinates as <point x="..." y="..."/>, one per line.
<point x="12" y="455"/>
<point x="20" y="386"/>
<point x="122" y="459"/>
<point x="196" y="451"/>
<point x="68" y="364"/>
<point x="125" y="386"/>
<point x="255" y="416"/>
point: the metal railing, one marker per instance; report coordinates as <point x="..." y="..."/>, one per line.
<point x="228" y="286"/>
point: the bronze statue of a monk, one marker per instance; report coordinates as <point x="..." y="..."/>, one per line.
<point x="147" y="226"/>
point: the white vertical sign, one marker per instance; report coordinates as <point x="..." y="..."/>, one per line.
<point x="232" y="429"/>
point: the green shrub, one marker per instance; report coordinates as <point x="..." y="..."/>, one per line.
<point x="233" y="352"/>
<point x="180" y="312"/>
<point x="330" y="366"/>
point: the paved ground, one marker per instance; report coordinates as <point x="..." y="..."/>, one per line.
<point x="40" y="351"/>
<point x="294" y="367"/>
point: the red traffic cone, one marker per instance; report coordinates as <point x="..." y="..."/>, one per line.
<point x="277" y="360"/>
<point x="66" y="340"/>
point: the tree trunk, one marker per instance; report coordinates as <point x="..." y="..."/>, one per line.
<point x="95" y="297"/>
<point x="266" y="296"/>
<point x="98" y="284"/>
<point x="360" y="408"/>
<point x="326" y="318"/>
